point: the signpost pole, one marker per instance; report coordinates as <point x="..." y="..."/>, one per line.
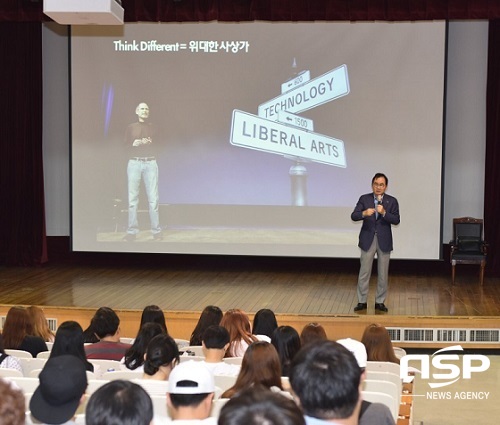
<point x="298" y="177"/>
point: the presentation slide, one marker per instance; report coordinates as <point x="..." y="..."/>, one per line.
<point x="254" y="138"/>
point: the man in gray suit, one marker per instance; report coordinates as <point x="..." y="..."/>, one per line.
<point x="378" y="211"/>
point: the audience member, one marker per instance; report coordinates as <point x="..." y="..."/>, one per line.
<point x="286" y="340"/>
<point x="370" y="413"/>
<point x="40" y="324"/>
<point x="69" y="340"/>
<point x="106" y="325"/>
<point x="378" y="344"/>
<point x="215" y="343"/>
<point x="135" y="355"/>
<point x="162" y="356"/>
<point x="259" y="406"/>
<point x="327" y="381"/>
<point x="312" y="332"/>
<point x="63" y="382"/>
<point x="190" y="393"/>
<point x="18" y="332"/>
<point x="12" y="408"/>
<point x="153" y="314"/>
<point x="264" y="324"/>
<point x="6" y="361"/>
<point x="260" y="365"/>
<point x="211" y="315"/>
<point x="237" y="324"/>
<point x="119" y="403"/>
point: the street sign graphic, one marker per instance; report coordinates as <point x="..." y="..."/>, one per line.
<point x="254" y="132"/>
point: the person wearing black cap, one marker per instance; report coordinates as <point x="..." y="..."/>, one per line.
<point x="63" y="382"/>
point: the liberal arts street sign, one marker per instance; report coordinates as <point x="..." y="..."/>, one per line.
<point x="322" y="89"/>
<point x="254" y="132"/>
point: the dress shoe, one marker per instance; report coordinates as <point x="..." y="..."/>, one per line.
<point x="129" y="237"/>
<point x="381" y="307"/>
<point x="360" y="306"/>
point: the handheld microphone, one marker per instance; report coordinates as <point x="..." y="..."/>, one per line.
<point x="379" y="199"/>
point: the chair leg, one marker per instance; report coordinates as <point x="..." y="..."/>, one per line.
<point x="453" y="274"/>
<point x="481" y="272"/>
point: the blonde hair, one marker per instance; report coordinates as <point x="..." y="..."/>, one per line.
<point x="40" y="327"/>
<point x="237" y="324"/>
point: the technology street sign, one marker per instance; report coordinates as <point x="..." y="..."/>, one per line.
<point x="251" y="131"/>
<point x="322" y="89"/>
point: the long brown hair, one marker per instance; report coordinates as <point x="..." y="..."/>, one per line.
<point x="378" y="344"/>
<point x="260" y="365"/>
<point x="39" y="323"/>
<point x="17" y="326"/>
<point x="237" y="323"/>
<point x="312" y="332"/>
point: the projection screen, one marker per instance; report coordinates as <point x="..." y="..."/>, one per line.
<point x="264" y="135"/>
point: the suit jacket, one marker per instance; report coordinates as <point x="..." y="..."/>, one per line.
<point x="380" y="225"/>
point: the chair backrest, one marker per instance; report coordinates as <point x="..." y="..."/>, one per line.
<point x="43" y="355"/>
<point x="233" y="360"/>
<point x="385" y="387"/>
<point x="93" y="385"/>
<point x="30" y="364"/>
<point x="196" y="349"/>
<point x="224" y="382"/>
<point x="121" y="374"/>
<point x="399" y="352"/>
<point x="217" y="406"/>
<point x="153" y="387"/>
<point x="27" y="399"/>
<point x="378" y="397"/>
<point x="383" y="367"/>
<point x="28" y="385"/>
<point x="160" y="406"/>
<point x="6" y="372"/>
<point x="467" y="230"/>
<point x="18" y="353"/>
<point x="385" y="376"/>
<point x="33" y="373"/>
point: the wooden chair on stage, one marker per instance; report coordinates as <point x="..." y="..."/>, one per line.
<point x="468" y="246"/>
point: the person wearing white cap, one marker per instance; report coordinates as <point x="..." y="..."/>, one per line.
<point x="370" y="413"/>
<point x="190" y="393"/>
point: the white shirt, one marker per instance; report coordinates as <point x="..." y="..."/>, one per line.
<point x="11" y="362"/>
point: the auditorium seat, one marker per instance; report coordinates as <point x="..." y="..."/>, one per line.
<point x="383" y="367"/>
<point x="8" y="373"/>
<point x="379" y="397"/>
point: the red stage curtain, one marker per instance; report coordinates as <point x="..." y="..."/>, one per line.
<point x="22" y="217"/>
<point x="492" y="161"/>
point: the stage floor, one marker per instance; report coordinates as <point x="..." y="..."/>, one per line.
<point x="284" y="286"/>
